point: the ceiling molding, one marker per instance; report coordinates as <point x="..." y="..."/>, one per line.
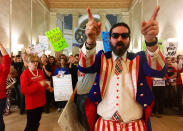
<point x="123" y="11"/>
<point x="97" y="4"/>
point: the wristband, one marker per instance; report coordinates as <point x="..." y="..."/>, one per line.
<point x="89" y="48"/>
<point x="151" y="43"/>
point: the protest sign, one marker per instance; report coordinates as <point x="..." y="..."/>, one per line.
<point x="37" y="49"/>
<point x="56" y="39"/>
<point x="69" y="119"/>
<point x="158" y="82"/>
<point x="62" y="87"/>
<point x="44" y="42"/>
<point x="170" y="48"/>
<point x="181" y="74"/>
<point x="105" y="39"/>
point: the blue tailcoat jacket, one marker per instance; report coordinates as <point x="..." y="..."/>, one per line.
<point x="138" y="66"/>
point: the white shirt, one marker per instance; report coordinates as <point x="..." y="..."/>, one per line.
<point x="120" y="97"/>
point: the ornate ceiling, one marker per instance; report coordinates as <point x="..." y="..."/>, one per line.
<point x="102" y="4"/>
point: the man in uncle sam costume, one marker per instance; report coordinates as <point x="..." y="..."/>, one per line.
<point x="120" y="97"/>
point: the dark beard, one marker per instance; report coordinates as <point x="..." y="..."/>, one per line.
<point x="120" y="51"/>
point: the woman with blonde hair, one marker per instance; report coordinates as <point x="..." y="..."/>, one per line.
<point x="33" y="86"/>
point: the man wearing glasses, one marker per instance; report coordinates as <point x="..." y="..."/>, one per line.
<point x="120" y="94"/>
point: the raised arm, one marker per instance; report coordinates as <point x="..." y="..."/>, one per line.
<point x="3" y="50"/>
<point x="5" y="60"/>
<point x="93" y="29"/>
<point x="150" y="30"/>
<point x="88" y="57"/>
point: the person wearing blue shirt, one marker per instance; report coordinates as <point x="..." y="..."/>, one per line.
<point x="61" y="71"/>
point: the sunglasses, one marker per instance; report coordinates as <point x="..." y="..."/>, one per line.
<point x="117" y="35"/>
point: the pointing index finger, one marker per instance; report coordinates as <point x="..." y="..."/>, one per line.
<point x="153" y="17"/>
<point x="90" y="17"/>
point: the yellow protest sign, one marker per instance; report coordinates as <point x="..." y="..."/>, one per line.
<point x="56" y="39"/>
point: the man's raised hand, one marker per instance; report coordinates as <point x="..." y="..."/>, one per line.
<point x="150" y="29"/>
<point x="93" y="29"/>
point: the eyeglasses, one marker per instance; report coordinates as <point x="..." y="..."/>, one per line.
<point x="34" y="61"/>
<point x="117" y="35"/>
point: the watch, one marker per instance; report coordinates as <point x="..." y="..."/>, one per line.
<point x="151" y="43"/>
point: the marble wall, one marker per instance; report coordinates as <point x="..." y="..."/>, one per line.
<point x="22" y="21"/>
<point x="170" y="19"/>
<point x="135" y="17"/>
<point x="4" y="22"/>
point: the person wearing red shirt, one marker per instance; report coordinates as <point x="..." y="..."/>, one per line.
<point x="5" y="63"/>
<point x="180" y="88"/>
<point x="33" y="85"/>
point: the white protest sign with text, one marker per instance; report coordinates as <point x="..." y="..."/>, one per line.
<point x="62" y="87"/>
<point x="170" y="49"/>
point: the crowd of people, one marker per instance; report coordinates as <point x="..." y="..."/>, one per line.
<point x="31" y="85"/>
<point x="126" y="81"/>
<point x="170" y="93"/>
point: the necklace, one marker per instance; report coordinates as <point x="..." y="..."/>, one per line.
<point x="33" y="73"/>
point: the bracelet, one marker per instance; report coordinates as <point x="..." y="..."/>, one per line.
<point x="151" y="43"/>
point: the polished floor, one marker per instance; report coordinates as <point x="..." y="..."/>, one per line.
<point x="16" y="122"/>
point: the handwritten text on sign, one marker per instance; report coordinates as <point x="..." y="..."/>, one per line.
<point x="171" y="49"/>
<point x="62" y="87"/>
<point x="56" y="39"/>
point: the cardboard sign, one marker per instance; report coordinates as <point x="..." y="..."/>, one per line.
<point x="69" y="119"/>
<point x="170" y="48"/>
<point x="56" y="39"/>
<point x="105" y="39"/>
<point x="62" y="87"/>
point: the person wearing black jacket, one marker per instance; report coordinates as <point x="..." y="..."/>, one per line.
<point x="73" y="69"/>
<point x="18" y="65"/>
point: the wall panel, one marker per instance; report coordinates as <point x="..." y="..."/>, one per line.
<point x="21" y="23"/>
<point x="4" y="22"/>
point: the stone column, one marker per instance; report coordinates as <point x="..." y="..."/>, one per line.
<point x="103" y="20"/>
<point x="60" y="22"/>
<point x="74" y="21"/>
<point x="125" y="17"/>
<point x="53" y="18"/>
<point x="119" y="18"/>
<point x="74" y="25"/>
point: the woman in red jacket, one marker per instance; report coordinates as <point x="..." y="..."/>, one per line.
<point x="4" y="71"/>
<point x="33" y="86"/>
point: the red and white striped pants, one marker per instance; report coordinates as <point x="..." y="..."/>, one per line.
<point x="110" y="125"/>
